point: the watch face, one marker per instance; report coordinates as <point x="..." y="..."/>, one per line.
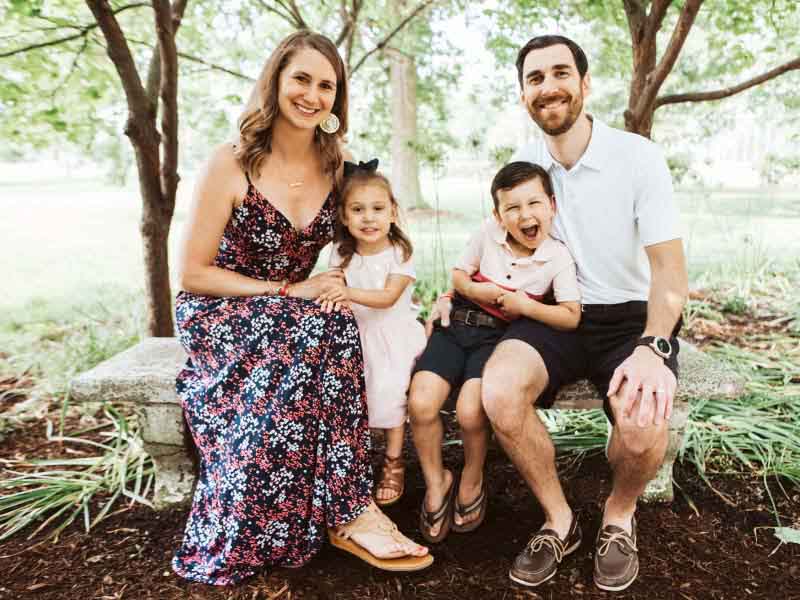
<point x="663" y="346"/>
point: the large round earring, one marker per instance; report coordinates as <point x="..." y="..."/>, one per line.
<point x="330" y="124"/>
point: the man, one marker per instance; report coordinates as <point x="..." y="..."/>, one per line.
<point x="616" y="214"/>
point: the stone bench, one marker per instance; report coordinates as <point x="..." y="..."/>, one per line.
<point x="145" y="376"/>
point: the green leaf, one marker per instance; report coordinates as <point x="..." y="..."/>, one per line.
<point x="788" y="535"/>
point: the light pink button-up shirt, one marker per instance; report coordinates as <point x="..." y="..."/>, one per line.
<point x="551" y="265"/>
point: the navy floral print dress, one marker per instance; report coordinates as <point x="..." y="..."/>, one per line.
<point x="273" y="393"/>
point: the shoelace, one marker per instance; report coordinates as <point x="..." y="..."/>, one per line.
<point x="621" y="538"/>
<point x="538" y="541"/>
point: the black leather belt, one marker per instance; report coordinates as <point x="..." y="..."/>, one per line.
<point x="476" y="318"/>
<point x="614" y="308"/>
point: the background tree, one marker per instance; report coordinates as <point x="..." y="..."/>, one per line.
<point x="155" y="143"/>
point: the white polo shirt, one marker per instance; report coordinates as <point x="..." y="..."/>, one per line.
<point x="613" y="202"/>
<point x="549" y="267"/>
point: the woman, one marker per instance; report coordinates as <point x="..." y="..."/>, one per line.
<point x="273" y="390"/>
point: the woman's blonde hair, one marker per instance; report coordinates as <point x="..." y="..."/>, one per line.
<point x="258" y="119"/>
<point x="345" y="240"/>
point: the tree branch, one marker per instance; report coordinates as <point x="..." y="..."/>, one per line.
<point x="656" y="79"/>
<point x="380" y="45"/>
<point x="167" y="21"/>
<point x="286" y="16"/>
<point x="792" y="65"/>
<point x="83" y="31"/>
<point x="658" y="10"/>
<point x="634" y="11"/>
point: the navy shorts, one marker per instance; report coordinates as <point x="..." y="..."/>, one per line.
<point x="459" y="352"/>
<point x="606" y="336"/>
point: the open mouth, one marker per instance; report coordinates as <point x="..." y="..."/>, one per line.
<point x="530" y="233"/>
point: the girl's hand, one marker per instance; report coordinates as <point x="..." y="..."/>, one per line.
<point x="333" y="298"/>
<point x="513" y="303"/>
<point x="486" y="292"/>
<point x="313" y="287"/>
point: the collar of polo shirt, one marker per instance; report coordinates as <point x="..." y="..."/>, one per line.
<point x="594" y="157"/>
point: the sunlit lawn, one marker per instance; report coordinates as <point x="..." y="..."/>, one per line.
<point x="64" y="240"/>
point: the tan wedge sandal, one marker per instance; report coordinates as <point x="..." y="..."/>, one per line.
<point x="373" y="520"/>
<point x="393" y="477"/>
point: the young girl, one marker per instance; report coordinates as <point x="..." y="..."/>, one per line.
<point x="375" y="256"/>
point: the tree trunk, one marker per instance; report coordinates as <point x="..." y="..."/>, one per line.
<point x="155" y="236"/>
<point x="405" y="166"/>
<point x="639" y="119"/>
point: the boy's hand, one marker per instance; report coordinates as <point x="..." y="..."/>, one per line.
<point x="485" y="292"/>
<point x="514" y="303"/>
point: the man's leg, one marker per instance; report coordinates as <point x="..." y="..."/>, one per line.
<point x="427" y="395"/>
<point x="635" y="454"/>
<point x="514" y="378"/>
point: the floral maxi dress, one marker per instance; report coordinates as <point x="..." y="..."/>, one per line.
<point x="273" y="394"/>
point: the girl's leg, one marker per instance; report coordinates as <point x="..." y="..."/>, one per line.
<point x="396" y="471"/>
<point x="475" y="436"/>
<point x="426" y="397"/>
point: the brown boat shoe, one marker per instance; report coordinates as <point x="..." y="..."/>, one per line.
<point x="539" y="560"/>
<point x="616" y="558"/>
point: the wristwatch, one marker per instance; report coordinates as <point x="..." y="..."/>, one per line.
<point x="657" y="344"/>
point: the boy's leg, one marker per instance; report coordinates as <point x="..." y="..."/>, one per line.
<point x="427" y="395"/>
<point x="475" y="436"/>
<point x="437" y="370"/>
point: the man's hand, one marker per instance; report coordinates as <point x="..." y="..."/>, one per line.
<point x="440" y="310"/>
<point x="513" y="303"/>
<point x="645" y="370"/>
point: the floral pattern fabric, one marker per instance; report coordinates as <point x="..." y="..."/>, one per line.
<point x="273" y="394"/>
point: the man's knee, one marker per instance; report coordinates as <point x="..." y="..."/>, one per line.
<point x="635" y="441"/>
<point x="426" y="395"/>
<point x="512" y="380"/>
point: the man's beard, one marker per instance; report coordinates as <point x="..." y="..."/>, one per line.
<point x="574" y="107"/>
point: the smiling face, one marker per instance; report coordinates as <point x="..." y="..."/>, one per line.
<point x="526" y="212"/>
<point x="306" y="89"/>
<point x="552" y="88"/>
<point x="368" y="216"/>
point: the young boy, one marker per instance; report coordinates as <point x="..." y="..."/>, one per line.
<point x="505" y="271"/>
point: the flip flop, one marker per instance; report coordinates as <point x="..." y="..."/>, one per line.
<point x="443" y="515"/>
<point x="376" y="520"/>
<point x="478" y="504"/>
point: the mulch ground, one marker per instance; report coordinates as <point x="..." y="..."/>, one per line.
<point x="713" y="541"/>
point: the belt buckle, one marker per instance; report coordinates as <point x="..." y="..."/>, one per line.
<point x="469" y="314"/>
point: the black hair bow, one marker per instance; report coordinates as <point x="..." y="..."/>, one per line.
<point x="362" y="167"/>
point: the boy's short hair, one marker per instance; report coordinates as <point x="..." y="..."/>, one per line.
<point x="516" y="173"/>
<point x="545" y="41"/>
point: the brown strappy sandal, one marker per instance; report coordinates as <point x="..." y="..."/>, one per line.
<point x="372" y="520"/>
<point x="393" y="477"/>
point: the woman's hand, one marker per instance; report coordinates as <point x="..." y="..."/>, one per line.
<point x="315" y="286"/>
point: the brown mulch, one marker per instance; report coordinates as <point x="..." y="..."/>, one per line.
<point x="699" y="546"/>
<point x="713" y="542"/>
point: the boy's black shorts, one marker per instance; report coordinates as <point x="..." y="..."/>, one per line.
<point x="459" y="352"/>
<point x="606" y="336"/>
